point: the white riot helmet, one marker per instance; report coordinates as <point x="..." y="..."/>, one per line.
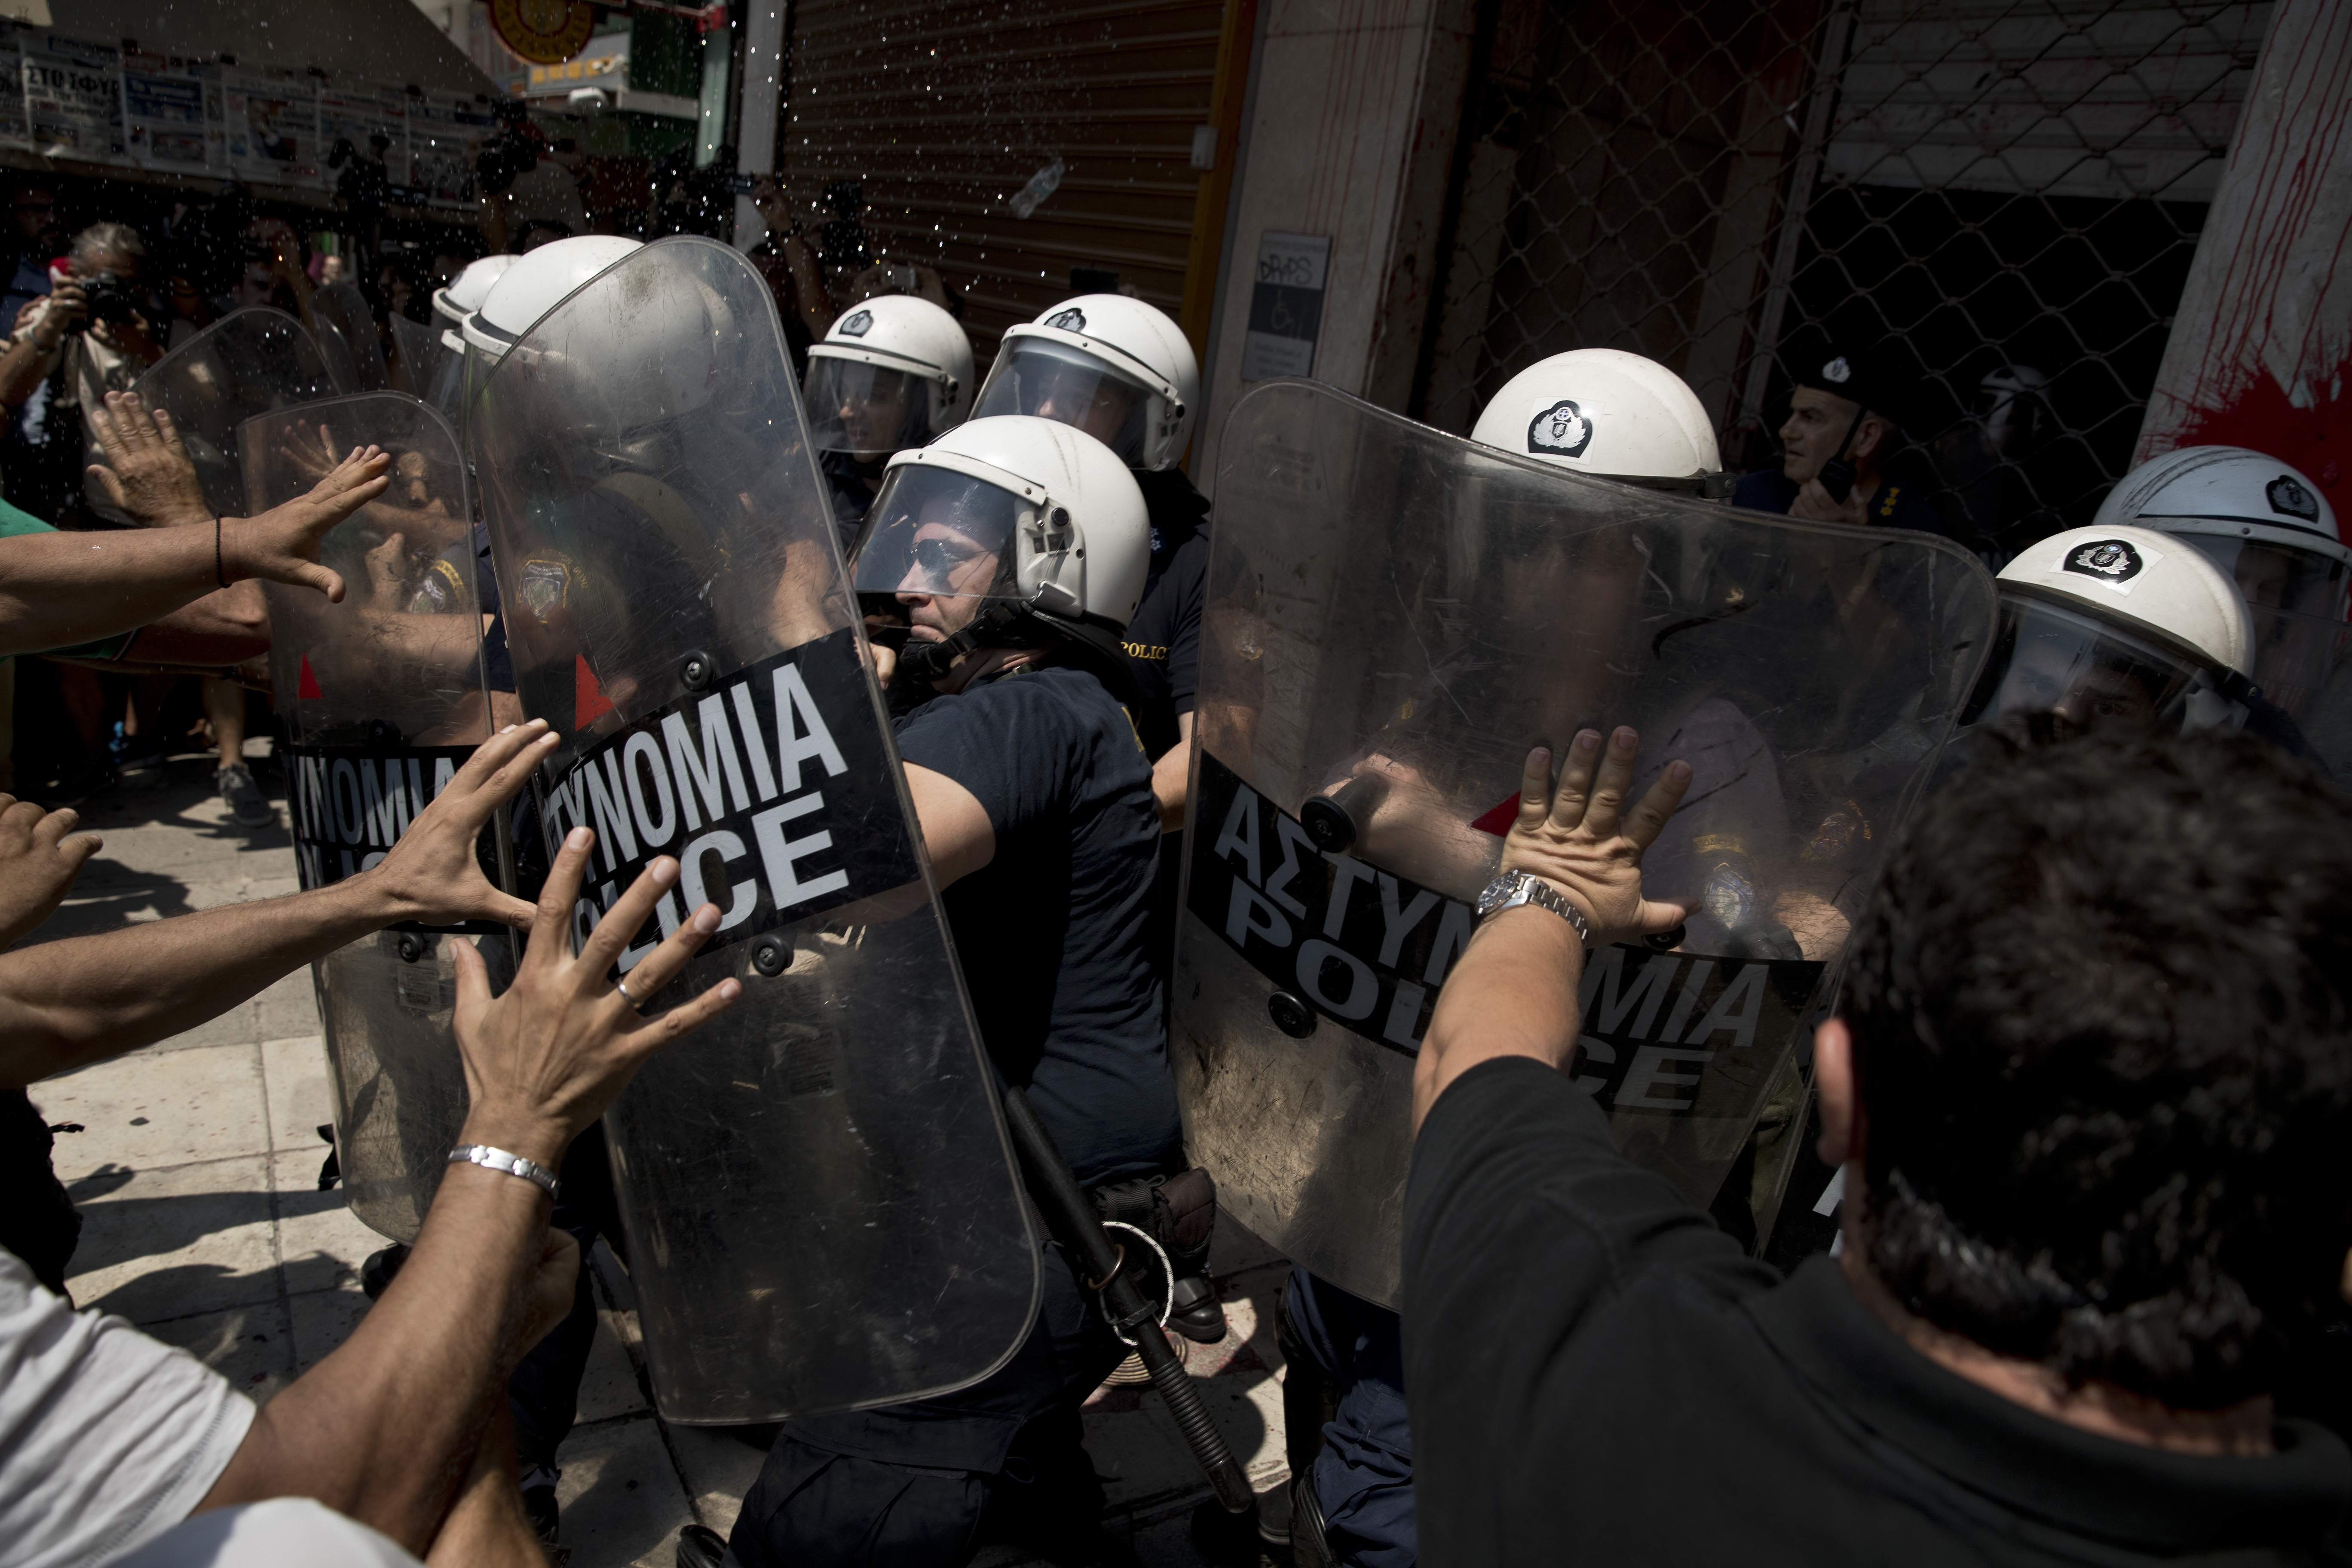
<point x="1609" y="414"/>
<point x="1002" y="533"/>
<point x="894" y="371"/>
<point x="2102" y="623"/>
<point x="1115" y="367"/>
<point x="2259" y="519"/>
<point x="463" y="294"/>
<point x="536" y="284"/>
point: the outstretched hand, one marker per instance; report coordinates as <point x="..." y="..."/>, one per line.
<point x="552" y="1052"/>
<point x="1580" y="839"/>
<point x="432" y="876"/>
<point x="147" y="473"/>
<point x="281" y="545"/>
<point x="40" y="855"/>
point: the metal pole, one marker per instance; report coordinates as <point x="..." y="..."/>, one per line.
<point x="764" y="75"/>
<point x="1075" y="1224"/>
<point x="1813" y="142"/>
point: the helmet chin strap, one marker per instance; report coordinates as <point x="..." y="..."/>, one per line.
<point x="998" y="625"/>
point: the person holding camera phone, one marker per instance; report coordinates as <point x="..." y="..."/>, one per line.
<point x="1839" y="435"/>
<point x="87" y="337"/>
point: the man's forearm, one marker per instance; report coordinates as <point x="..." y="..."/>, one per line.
<point x="22" y="367"/>
<point x="1512" y="994"/>
<point x="46" y="596"/>
<point x="66" y="1004"/>
<point x="387" y="1428"/>
<point x="1172" y="776"/>
<point x="227" y="625"/>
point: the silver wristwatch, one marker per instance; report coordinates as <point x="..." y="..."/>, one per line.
<point x="1515" y="888"/>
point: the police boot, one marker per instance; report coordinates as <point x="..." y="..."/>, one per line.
<point x="699" y="1546"/>
<point x="376" y="1274"/>
<point x="1196" y="1313"/>
<point x="1307" y="1547"/>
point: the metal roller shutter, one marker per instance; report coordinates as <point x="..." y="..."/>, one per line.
<point x="946" y="116"/>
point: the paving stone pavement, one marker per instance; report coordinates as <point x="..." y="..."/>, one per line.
<point x="196" y="1169"/>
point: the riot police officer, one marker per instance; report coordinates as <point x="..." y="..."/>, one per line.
<point x="2116" y="624"/>
<point x="1120" y="370"/>
<point x="1010" y="553"/>
<point x="2104" y="625"/>
<point x="1609" y="415"/>
<point x="2271" y="529"/>
<point x="894" y="371"/>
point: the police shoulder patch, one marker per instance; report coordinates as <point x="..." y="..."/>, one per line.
<point x="1561" y="431"/>
<point x="2289" y="499"/>
<point x="2114" y="562"/>
<point x="857" y="324"/>
<point x="1070" y="320"/>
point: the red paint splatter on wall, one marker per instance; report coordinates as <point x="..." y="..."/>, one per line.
<point x="2317" y="440"/>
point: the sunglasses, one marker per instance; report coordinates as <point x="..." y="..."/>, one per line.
<point x="936" y="558"/>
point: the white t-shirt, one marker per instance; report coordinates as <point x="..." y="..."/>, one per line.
<point x="285" y="1533"/>
<point x="106" y="1437"/>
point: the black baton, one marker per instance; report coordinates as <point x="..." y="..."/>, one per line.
<point x="1078" y="1227"/>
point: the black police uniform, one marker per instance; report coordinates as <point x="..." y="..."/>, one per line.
<point x="1894" y="505"/>
<point x="1050" y="937"/>
<point x="1163" y="639"/>
<point x="844" y="478"/>
<point x="1164" y="655"/>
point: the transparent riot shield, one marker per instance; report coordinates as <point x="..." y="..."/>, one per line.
<point x="246" y="364"/>
<point x="416" y="346"/>
<point x="1394" y="618"/>
<point x="383" y="698"/>
<point x="818" y="1196"/>
<point x="2302" y="675"/>
<point x="347" y="327"/>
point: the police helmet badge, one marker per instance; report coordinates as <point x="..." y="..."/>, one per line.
<point x="1561" y="431"/>
<point x="1837" y="371"/>
<point x="2114" y="562"/>
<point x="546" y="586"/>
<point x="2289" y="499"/>
<point x="859" y="323"/>
<point x="441" y="592"/>
<point x="1070" y="320"/>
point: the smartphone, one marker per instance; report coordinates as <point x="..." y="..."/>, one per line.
<point x="1837" y="475"/>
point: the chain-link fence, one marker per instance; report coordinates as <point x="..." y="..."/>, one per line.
<point x="1998" y="198"/>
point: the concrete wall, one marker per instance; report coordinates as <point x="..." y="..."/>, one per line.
<point x="1357" y="105"/>
<point x="2261" y="347"/>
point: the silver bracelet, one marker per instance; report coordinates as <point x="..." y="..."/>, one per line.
<point x="492" y="1159"/>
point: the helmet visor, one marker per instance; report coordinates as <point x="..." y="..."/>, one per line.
<point x="2047" y="659"/>
<point x="937" y="545"/>
<point x="1054" y="381"/>
<point x="2276" y="576"/>
<point x="870" y="410"/>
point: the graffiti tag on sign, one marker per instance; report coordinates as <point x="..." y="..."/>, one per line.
<point x="773" y="789"/>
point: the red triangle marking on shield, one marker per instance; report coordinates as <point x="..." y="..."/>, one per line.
<point x="588" y="699"/>
<point x="307" y="685"/>
<point x="1498" y="821"/>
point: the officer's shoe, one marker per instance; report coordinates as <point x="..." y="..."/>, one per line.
<point x="699" y="1546"/>
<point x="1196" y="1313"/>
<point x="376" y="1274"/>
<point x="1308" y="1549"/>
